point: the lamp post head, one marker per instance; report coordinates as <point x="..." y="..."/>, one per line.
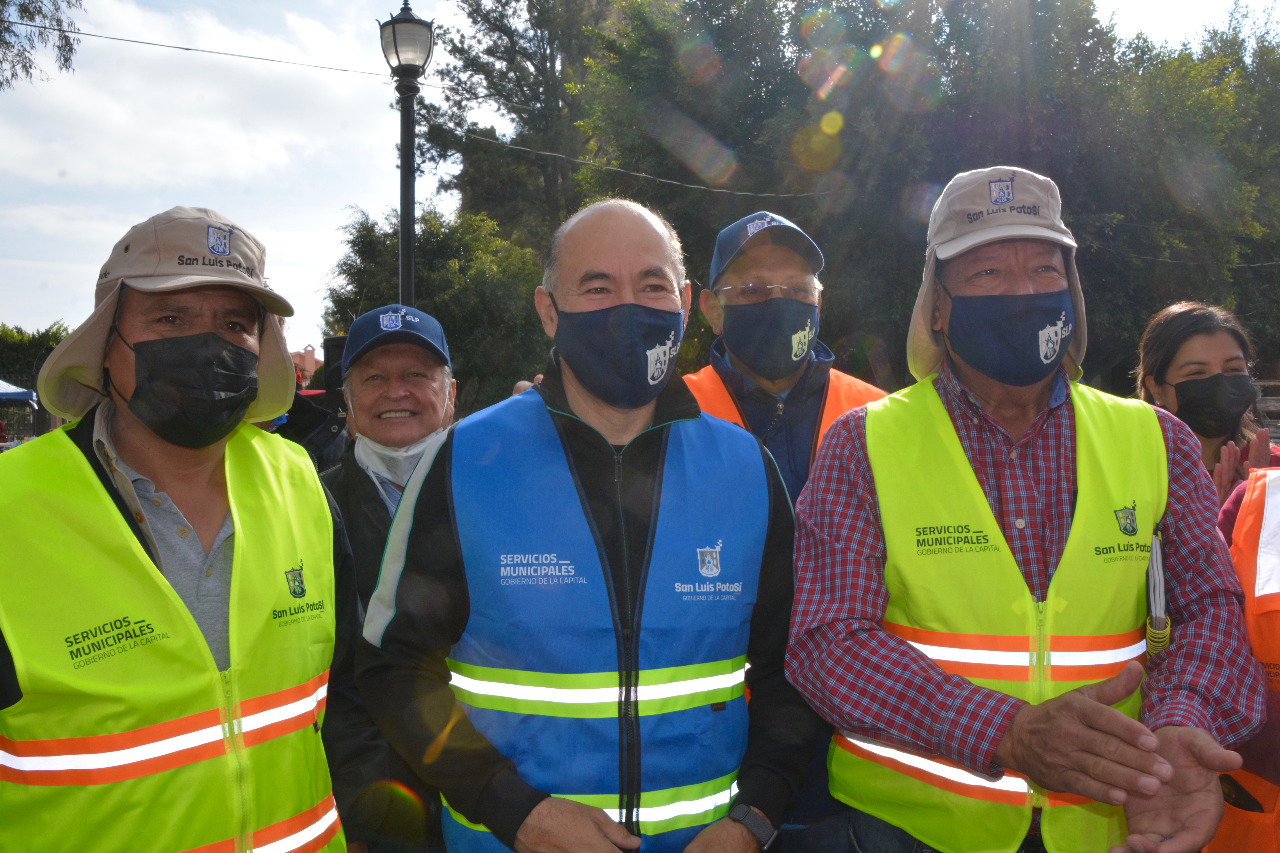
<point x="407" y="42"/>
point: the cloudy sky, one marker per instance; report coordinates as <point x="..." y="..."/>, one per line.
<point x="283" y="150"/>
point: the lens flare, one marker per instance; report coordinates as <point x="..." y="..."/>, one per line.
<point x="822" y="28"/>
<point x="877" y="50"/>
<point x="698" y="60"/>
<point x="1200" y="179"/>
<point x="822" y="70"/>
<point x="814" y="150"/>
<point x="687" y="141"/>
<point x="917" y="201"/>
<point x="831" y="123"/>
<point x="912" y="81"/>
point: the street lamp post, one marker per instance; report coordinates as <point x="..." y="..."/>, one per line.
<point x="407" y="42"/>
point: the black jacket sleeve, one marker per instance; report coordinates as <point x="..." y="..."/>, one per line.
<point x="783" y="729"/>
<point x="357" y="755"/>
<point x="405" y="677"/>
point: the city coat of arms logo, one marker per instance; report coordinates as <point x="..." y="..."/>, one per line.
<point x="297" y="588"/>
<point x="800" y="341"/>
<point x="1051" y="338"/>
<point x="660" y="359"/>
<point x="219" y="240"/>
<point x="709" y="560"/>
<point x="1127" y="518"/>
<point x="1001" y="191"/>
<point x="390" y="321"/>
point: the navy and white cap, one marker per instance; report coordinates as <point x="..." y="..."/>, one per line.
<point x="782" y="232"/>
<point x="394" y="324"/>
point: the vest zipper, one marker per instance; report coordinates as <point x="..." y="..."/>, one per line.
<point x="1042" y="651"/>
<point x="628" y="722"/>
<point x="232" y="733"/>
<point x="777" y="419"/>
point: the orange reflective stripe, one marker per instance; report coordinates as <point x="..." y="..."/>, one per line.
<point x="102" y="759"/>
<point x="303" y="833"/>
<point x="1011" y="658"/>
<point x="278" y="714"/>
<point x="1011" y="789"/>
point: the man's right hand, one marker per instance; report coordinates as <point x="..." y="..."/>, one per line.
<point x="562" y="826"/>
<point x="1077" y="743"/>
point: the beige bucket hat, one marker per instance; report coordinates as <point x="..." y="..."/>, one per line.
<point x="980" y="207"/>
<point x="175" y="250"/>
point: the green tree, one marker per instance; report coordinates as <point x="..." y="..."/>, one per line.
<point x="476" y="283"/>
<point x="526" y="60"/>
<point x="22" y="352"/>
<point x="26" y="26"/>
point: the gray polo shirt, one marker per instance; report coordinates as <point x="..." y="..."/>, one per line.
<point x="202" y="580"/>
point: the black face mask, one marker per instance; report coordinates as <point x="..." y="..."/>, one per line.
<point x="1214" y="405"/>
<point x="192" y="391"/>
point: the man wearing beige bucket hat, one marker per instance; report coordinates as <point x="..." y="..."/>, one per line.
<point x="176" y="588"/>
<point x="971" y="573"/>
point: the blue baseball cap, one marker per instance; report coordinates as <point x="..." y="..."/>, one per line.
<point x="783" y="232"/>
<point x="394" y="324"/>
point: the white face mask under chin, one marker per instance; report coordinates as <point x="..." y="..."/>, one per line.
<point x="394" y="463"/>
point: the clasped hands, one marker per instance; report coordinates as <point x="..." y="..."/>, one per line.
<point x="562" y="826"/>
<point x="1166" y="780"/>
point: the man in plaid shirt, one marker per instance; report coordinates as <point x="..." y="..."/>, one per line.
<point x="971" y="574"/>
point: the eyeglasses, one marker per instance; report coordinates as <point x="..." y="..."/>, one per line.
<point x="752" y="292"/>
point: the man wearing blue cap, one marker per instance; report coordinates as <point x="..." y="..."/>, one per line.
<point x="769" y="372"/>
<point x="398" y="383"/>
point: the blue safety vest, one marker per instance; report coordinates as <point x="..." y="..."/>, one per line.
<point x="650" y="726"/>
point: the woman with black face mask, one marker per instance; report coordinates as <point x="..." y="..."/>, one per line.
<point x="1194" y="360"/>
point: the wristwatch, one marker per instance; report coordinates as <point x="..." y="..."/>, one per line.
<point x="756" y="823"/>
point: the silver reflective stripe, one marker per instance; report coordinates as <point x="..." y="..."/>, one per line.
<point x="114" y="758"/>
<point x="587" y="695"/>
<point x="300" y="839"/>
<point x="382" y="604"/>
<point x="938" y="768"/>
<point x="958" y="655"/>
<point x="1268" y="580"/>
<point x="1105" y="656"/>
<point x="654" y="814"/>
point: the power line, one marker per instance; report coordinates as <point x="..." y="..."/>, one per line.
<point x="633" y="174"/>
<point x="450" y="89"/>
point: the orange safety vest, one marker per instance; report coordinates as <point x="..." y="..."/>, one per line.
<point x="842" y="393"/>
<point x="1255" y="551"/>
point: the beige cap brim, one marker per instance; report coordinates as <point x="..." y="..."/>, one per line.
<point x="925" y="348"/>
<point x="70" y="382"/>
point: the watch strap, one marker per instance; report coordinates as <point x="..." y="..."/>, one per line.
<point x="756" y="824"/>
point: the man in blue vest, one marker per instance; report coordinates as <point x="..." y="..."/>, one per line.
<point x="972" y="563"/>
<point x="561" y="630"/>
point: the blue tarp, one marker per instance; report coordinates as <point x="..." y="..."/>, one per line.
<point x="14" y="393"/>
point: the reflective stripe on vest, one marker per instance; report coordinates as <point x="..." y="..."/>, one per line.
<point x="652" y="717"/>
<point x="596" y="694"/>
<point x="1011" y="789"/>
<point x="1014" y="658"/>
<point x="99" y="759"/>
<point x="303" y="833"/>
<point x="122" y="702"/>
<point x="659" y="811"/>
<point x="957" y="595"/>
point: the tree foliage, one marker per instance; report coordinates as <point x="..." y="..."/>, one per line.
<point x="19" y="43"/>
<point x="22" y="352"/>
<point x="849" y="117"/>
<point x="476" y="283"/>
<point x="527" y="61"/>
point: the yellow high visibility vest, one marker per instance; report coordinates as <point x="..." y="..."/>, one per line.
<point x="957" y="595"/>
<point x="127" y="737"/>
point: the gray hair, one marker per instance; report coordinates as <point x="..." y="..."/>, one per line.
<point x="550" y="273"/>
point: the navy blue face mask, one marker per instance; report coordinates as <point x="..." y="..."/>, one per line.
<point x="772" y="338"/>
<point x="624" y="355"/>
<point x="1017" y="340"/>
